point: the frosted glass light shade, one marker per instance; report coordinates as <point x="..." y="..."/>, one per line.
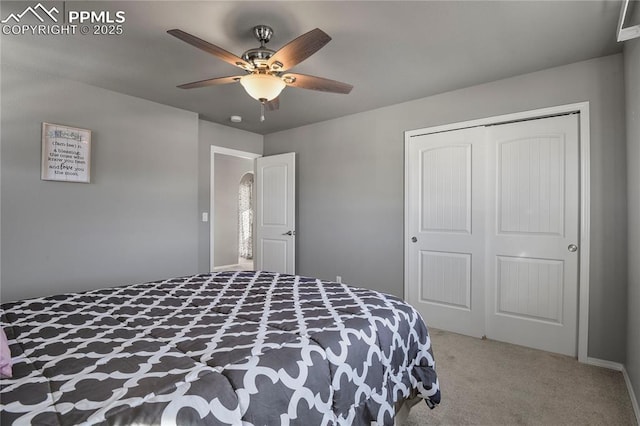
<point x="262" y="86"/>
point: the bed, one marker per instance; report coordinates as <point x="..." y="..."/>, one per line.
<point x="222" y="348"/>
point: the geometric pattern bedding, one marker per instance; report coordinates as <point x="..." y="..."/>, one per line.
<point x="222" y="348"/>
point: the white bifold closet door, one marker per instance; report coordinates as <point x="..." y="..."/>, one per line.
<point x="494" y="221"/>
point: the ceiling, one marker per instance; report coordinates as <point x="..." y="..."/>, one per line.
<point x="391" y="51"/>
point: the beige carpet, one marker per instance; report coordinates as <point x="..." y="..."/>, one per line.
<point x="484" y="382"/>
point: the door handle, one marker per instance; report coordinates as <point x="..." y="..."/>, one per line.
<point x="414" y="239"/>
<point x="290" y="233"/>
<point x="572" y="248"/>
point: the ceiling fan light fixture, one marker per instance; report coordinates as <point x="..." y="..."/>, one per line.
<point x="262" y="87"/>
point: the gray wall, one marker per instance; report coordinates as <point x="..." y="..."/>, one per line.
<point x="350" y="183"/>
<point x="227" y="137"/>
<point x="136" y="221"/>
<point x="632" y="83"/>
<point x="228" y="173"/>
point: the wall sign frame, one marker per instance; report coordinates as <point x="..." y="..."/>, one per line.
<point x="66" y="153"/>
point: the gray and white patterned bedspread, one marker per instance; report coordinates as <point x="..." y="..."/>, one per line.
<point x="224" y="348"/>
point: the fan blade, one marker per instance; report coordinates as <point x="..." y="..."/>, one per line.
<point x="299" y="49"/>
<point x="273" y="104"/>
<point x="210" y="82"/>
<point x="316" y="83"/>
<point x="211" y="48"/>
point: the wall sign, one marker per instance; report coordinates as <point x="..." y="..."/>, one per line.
<point x="66" y="153"/>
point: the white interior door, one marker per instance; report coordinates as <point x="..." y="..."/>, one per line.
<point x="532" y="256"/>
<point x="495" y="216"/>
<point x="446" y="248"/>
<point x="275" y="213"/>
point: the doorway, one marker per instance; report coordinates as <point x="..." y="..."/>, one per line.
<point x="231" y="242"/>
<point x="496" y="228"/>
<point x="273" y="230"/>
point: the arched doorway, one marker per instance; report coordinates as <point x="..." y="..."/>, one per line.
<point x="245" y="220"/>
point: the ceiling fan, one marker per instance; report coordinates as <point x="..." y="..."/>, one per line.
<point x="265" y="69"/>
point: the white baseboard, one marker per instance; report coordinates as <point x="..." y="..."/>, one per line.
<point x="222" y="267"/>
<point x="619" y="367"/>
<point x="605" y="364"/>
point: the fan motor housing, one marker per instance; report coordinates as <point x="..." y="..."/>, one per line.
<point x="258" y="56"/>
